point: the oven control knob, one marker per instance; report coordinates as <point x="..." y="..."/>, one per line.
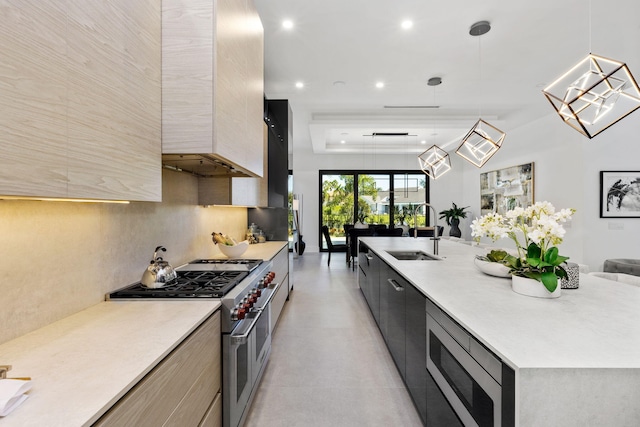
<point x="257" y="292"/>
<point x="263" y="284"/>
<point x="238" y="314"/>
<point x="248" y="302"/>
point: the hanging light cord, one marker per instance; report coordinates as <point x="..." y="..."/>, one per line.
<point x="480" y="76"/>
<point x="590" y="51"/>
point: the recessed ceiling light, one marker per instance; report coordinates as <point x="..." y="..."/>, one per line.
<point x="287" y="24"/>
<point x="423" y="142"/>
<point x="299" y="85"/>
<point x="407" y="24"/>
<point x="342" y="141"/>
<point x="379" y="85"/>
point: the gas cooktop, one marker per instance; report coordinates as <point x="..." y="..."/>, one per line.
<point x="188" y="284"/>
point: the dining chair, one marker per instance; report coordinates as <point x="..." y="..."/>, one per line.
<point x="339" y="247"/>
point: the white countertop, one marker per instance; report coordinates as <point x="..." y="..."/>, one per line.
<point x="594" y="326"/>
<point x="81" y="365"/>
<point x="264" y="251"/>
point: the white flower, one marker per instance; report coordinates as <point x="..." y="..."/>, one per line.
<point x="515" y="212"/>
<point x="539" y="224"/>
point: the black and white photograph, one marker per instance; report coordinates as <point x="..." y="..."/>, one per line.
<point x="620" y="194"/>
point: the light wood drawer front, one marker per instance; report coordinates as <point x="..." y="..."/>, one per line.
<point x="213" y="417"/>
<point x="196" y="402"/>
<point x="153" y="400"/>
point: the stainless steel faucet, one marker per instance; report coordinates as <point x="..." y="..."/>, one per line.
<point x="435" y="237"/>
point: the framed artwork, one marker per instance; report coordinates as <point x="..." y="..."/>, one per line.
<point x="504" y="189"/>
<point x="619" y="194"/>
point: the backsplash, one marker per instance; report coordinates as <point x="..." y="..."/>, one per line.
<point x="58" y="258"/>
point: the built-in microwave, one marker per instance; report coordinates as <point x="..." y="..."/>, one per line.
<point x="474" y="381"/>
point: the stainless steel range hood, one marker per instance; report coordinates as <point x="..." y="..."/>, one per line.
<point x="204" y="165"/>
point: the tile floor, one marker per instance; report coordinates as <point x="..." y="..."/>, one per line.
<point x="329" y="365"/>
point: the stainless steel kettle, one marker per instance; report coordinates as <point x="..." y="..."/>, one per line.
<point x="159" y="273"/>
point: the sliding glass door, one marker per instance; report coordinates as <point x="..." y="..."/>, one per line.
<point x="337" y="204"/>
<point x="385" y="198"/>
<point x="409" y="191"/>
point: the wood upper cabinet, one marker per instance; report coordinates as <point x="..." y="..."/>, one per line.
<point x="212" y="81"/>
<point x="80" y="99"/>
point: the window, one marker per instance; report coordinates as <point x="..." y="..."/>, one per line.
<point x="380" y="197"/>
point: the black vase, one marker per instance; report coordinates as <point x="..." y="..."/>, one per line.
<point x="455" y="230"/>
<point x="300" y="249"/>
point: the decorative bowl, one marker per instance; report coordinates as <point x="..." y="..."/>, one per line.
<point x="234" y="251"/>
<point x="492" y="268"/>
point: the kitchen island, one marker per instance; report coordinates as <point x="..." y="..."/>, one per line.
<point x="82" y="365"/>
<point x="576" y="358"/>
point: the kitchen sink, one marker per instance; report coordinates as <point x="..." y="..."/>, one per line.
<point x="413" y="256"/>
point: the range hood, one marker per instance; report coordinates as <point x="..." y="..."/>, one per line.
<point x="204" y="165"/>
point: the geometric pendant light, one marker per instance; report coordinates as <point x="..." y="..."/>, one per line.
<point x="481" y="142"/>
<point x="594" y="95"/>
<point x="484" y="139"/>
<point x="434" y="162"/>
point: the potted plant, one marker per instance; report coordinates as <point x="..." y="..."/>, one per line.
<point x="361" y="217"/>
<point x="400" y="214"/>
<point x="452" y="217"/>
<point x="536" y="231"/>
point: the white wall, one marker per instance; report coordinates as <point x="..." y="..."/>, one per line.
<point x="57" y="258"/>
<point x="567" y="167"/>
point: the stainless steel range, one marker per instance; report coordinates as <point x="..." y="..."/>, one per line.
<point x="245" y="288"/>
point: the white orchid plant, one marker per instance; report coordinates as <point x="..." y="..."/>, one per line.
<point x="536" y="231"/>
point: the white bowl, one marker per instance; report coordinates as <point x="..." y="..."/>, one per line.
<point x="234" y="251"/>
<point x="492" y="268"/>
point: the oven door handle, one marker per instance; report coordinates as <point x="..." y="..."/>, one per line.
<point x="241" y="337"/>
<point x="273" y="290"/>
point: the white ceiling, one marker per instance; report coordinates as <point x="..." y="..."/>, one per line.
<point x="339" y="49"/>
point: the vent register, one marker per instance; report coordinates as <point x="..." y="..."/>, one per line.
<point x="202" y="165"/>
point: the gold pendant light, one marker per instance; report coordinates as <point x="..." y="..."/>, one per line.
<point x="595" y="94"/>
<point x="434" y="161"/>
<point x="484" y="139"/>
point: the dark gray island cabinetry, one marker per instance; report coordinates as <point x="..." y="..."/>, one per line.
<point x="526" y="358"/>
<point x="455" y="391"/>
<point x="399" y="310"/>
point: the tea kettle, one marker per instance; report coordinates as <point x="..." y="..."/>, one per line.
<point x="159" y="273"/>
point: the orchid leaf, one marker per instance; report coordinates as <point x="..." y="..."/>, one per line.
<point x="549" y="280"/>
<point x="533" y="251"/>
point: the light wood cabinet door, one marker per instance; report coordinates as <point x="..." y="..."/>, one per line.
<point x="80" y="100"/>
<point x="180" y="390"/>
<point x="213" y="81"/>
